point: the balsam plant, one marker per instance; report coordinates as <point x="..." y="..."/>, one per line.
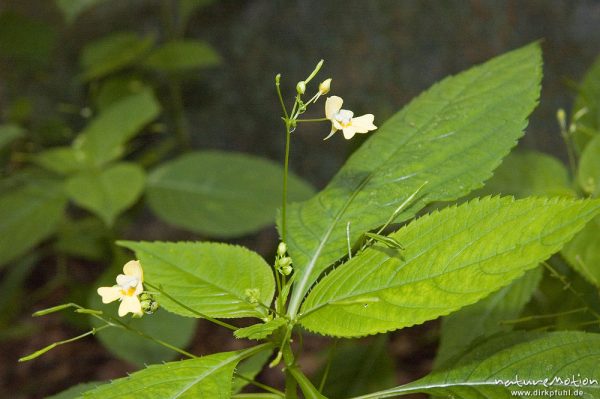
<point x="358" y="260"/>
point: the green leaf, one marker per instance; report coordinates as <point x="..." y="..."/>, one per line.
<point x="9" y="133"/>
<point x="220" y="194"/>
<point x="588" y="173"/>
<point x="109" y="192"/>
<point x="588" y="103"/>
<point x="209" y="278"/>
<point x="61" y="160"/>
<point x="85" y="238"/>
<point x="103" y="139"/>
<point x="583" y="252"/>
<point x="453" y="258"/>
<point x="359" y="368"/>
<point x="25" y="41"/>
<point x="485" y="317"/>
<point x="523" y="174"/>
<point x="29" y="215"/>
<point x="112" y="53"/>
<point x="260" y="331"/>
<point x="116" y="88"/>
<point x="75" y="391"/>
<point x="187" y="8"/>
<point x="182" y="55"/>
<point x="486" y="369"/>
<point x="72" y="9"/>
<point x="451" y="136"/>
<point x="205" y="377"/>
<point x="249" y="368"/>
<point x="129" y="346"/>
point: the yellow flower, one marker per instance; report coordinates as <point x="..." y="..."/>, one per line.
<point x="128" y="287"/>
<point x="343" y="119"/>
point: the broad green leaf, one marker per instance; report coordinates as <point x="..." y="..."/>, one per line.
<point x="249" y="369"/>
<point x="112" y="53"/>
<point x="493" y="368"/>
<point x="212" y="279"/>
<point x="453" y="258"/>
<point x="588" y="103"/>
<point x="109" y="192"/>
<point x="129" y="346"/>
<point x="221" y="194"/>
<point x="75" y="391"/>
<point x="204" y="377"/>
<point x="485" y="317"/>
<point x="523" y="174"/>
<point x="9" y="133"/>
<point x="452" y="136"/>
<point x="116" y="88"/>
<point x="359" y="368"/>
<point x="583" y="252"/>
<point x="61" y="160"/>
<point x="103" y="139"/>
<point x="260" y="331"/>
<point x="588" y="172"/>
<point x="72" y="9"/>
<point x="182" y="55"/>
<point x="28" y="215"/>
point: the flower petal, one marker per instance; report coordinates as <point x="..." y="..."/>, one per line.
<point x="333" y="130"/>
<point x="332" y="105"/>
<point x="130" y="304"/>
<point x="349" y="132"/>
<point x="110" y="294"/>
<point x="134" y="268"/>
<point x="364" y="123"/>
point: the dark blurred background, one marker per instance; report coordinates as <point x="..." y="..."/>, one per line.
<point x="380" y="55"/>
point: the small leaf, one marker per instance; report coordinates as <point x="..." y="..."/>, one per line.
<point x="182" y="55"/>
<point x="111" y="53"/>
<point x="109" y="192"/>
<point x="453" y="258"/>
<point x="103" y="139"/>
<point x="588" y="103"/>
<point x="452" y="136"/>
<point x="9" y="133"/>
<point x="492" y="368"/>
<point x="588" y="173"/>
<point x="85" y="238"/>
<point x="209" y="278"/>
<point x="61" y="160"/>
<point x="28" y="215"/>
<point x="485" y="317"/>
<point x="205" y="377"/>
<point x="220" y="194"/>
<point x="583" y="252"/>
<point x="260" y="331"/>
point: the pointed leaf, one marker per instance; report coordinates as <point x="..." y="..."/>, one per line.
<point x="107" y="193"/>
<point x="210" y="278"/>
<point x="493" y="369"/>
<point x="205" y="377"/>
<point x="219" y="193"/>
<point x="485" y="317"/>
<point x="452" y="136"/>
<point x="453" y="258"/>
<point x="588" y="102"/>
<point x="260" y="331"/>
<point x="182" y="55"/>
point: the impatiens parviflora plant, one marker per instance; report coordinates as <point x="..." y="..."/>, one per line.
<point x="354" y="260"/>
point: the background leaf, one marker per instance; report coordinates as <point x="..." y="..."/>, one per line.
<point x="103" y="139"/>
<point x="28" y="215"/>
<point x="61" y="160"/>
<point x="451" y="136"/>
<point x="182" y="55"/>
<point x="71" y="9"/>
<point x="75" y="391"/>
<point x="528" y="356"/>
<point x="25" y="41"/>
<point x="588" y="172"/>
<point x="453" y="258"/>
<point x="583" y="252"/>
<point x="8" y="133"/>
<point x="109" y="192"/>
<point x="588" y="97"/>
<point x="205" y="377"/>
<point x="485" y="317"/>
<point x="221" y="194"/>
<point x="112" y="53"/>
<point x="210" y="278"/>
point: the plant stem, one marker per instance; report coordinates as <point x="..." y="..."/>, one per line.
<point x="285" y="183"/>
<point x="216" y="321"/>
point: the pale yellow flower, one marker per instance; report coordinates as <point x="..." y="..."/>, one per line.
<point x="343" y="119"/>
<point x="128" y="287"/>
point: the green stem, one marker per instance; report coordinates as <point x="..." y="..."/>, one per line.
<point x="285" y="183"/>
<point x="219" y="322"/>
<point x="312" y="120"/>
<point x="181" y="128"/>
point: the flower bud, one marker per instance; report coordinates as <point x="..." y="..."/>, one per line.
<point x="281" y="249"/>
<point x="287" y="270"/>
<point x="325" y="86"/>
<point x="301" y="87"/>
<point x="286" y="261"/>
